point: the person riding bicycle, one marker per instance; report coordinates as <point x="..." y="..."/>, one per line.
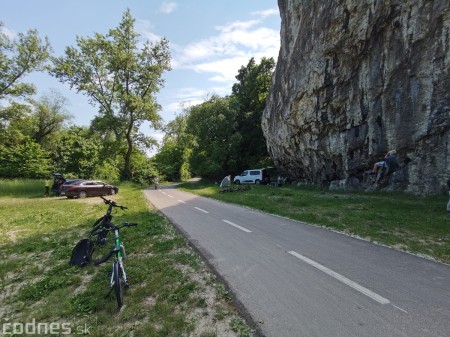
<point x="156" y="182"/>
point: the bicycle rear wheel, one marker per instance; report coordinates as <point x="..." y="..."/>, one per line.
<point x="102" y="243"/>
<point x="117" y="286"/>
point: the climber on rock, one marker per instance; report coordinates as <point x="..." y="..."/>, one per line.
<point x="389" y="161"/>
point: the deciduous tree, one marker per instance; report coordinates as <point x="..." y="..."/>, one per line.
<point x="250" y="93"/>
<point x="19" y="57"/>
<point x="120" y="76"/>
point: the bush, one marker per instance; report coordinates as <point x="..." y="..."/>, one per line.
<point x="25" y="160"/>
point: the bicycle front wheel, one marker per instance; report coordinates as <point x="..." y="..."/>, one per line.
<point x="102" y="244"/>
<point x="117" y="286"/>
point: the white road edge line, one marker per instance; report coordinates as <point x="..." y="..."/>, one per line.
<point x="201" y="210"/>
<point x="237" y="226"/>
<point x="170" y="196"/>
<point x="342" y="279"/>
<point x="183" y="202"/>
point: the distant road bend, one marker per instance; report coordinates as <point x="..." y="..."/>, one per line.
<point x="296" y="279"/>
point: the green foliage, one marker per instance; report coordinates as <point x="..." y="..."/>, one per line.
<point x="212" y="126"/>
<point x="213" y="139"/>
<point x="169" y="159"/>
<point x="222" y="135"/>
<point x="107" y="171"/>
<point x="143" y="168"/>
<point x="11" y="116"/>
<point x="48" y="117"/>
<point x="77" y="153"/>
<point x="28" y="137"/>
<point x="18" y="58"/>
<point x="173" y="158"/>
<point x="121" y="77"/>
<point x="250" y="96"/>
<point x="25" y="160"/>
<point x="21" y="187"/>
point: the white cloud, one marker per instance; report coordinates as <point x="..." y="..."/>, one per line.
<point x="237" y="26"/>
<point x="145" y="27"/>
<point x="220" y="56"/>
<point x="225" y="69"/>
<point x="235" y="43"/>
<point x="186" y="97"/>
<point x="268" y="12"/>
<point x="168" y="7"/>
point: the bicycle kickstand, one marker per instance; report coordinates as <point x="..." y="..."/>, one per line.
<point x="109" y="293"/>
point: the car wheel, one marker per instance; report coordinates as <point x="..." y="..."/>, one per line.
<point x="112" y="192"/>
<point x="237" y="182"/>
<point x="82" y="194"/>
<point x="257" y="182"/>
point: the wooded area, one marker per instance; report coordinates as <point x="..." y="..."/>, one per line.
<point x="120" y="78"/>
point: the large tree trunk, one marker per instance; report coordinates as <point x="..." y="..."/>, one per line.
<point x="127" y="174"/>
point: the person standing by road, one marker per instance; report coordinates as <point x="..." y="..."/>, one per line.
<point x="156" y="182"/>
<point x="47" y="187"/>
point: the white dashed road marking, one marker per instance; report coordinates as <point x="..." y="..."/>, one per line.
<point x="237" y="226"/>
<point x="201" y="210"/>
<point x="342" y="279"/>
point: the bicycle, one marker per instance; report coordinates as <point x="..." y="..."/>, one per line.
<point x="99" y="235"/>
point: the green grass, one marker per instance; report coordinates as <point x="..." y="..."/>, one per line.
<point x="406" y="222"/>
<point x="172" y="292"/>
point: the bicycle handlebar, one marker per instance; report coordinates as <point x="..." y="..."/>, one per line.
<point x="112" y="203"/>
<point x="125" y="224"/>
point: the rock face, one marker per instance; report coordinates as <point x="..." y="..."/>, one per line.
<point x="355" y="79"/>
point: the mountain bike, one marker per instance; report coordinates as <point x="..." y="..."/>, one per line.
<point x="102" y="250"/>
<point x="99" y="235"/>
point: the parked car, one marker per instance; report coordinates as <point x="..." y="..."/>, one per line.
<point x="58" y="180"/>
<point x="253" y="176"/>
<point x="68" y="183"/>
<point x="90" y="188"/>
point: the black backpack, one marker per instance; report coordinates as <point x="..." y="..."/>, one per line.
<point x="82" y="253"/>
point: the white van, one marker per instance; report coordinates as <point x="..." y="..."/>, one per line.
<point x="253" y="176"/>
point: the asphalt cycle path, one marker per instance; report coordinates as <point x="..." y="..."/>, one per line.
<point x="296" y="279"/>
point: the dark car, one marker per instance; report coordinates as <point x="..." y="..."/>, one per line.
<point x="90" y="188"/>
<point x="68" y="183"/>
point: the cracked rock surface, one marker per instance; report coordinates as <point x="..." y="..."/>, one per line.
<point x="355" y="79"/>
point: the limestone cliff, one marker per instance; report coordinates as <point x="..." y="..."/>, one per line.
<point x="355" y="79"/>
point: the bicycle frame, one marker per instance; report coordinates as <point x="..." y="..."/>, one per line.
<point x="119" y="251"/>
<point x="99" y="233"/>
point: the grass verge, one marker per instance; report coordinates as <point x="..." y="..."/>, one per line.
<point x="172" y="291"/>
<point x="415" y="224"/>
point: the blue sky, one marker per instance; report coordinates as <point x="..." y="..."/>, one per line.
<point x="209" y="41"/>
